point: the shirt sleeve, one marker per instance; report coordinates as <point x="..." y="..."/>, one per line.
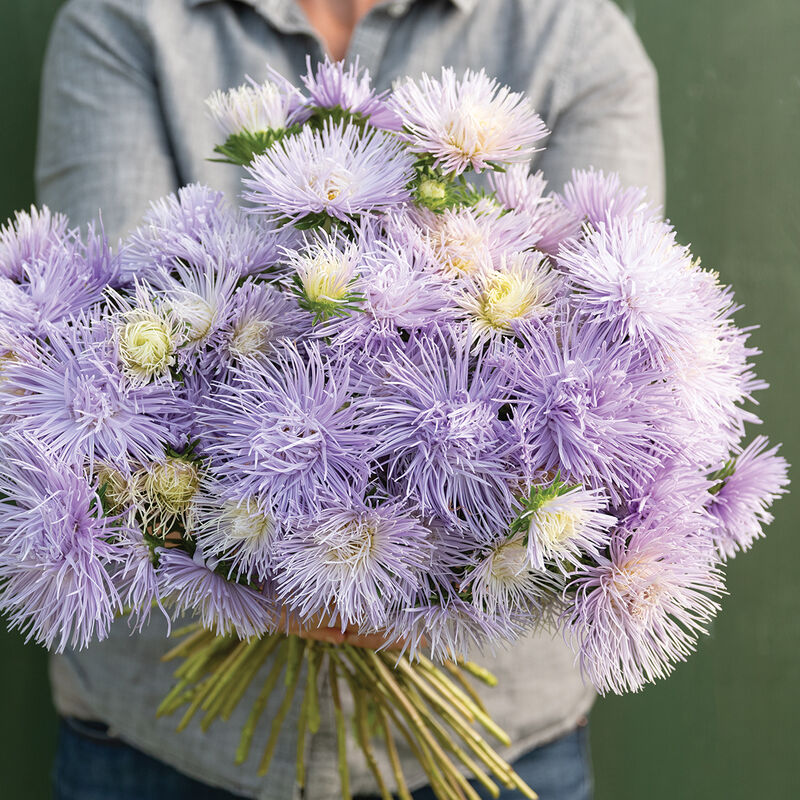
<point x="607" y="113"/>
<point x="102" y="140"/>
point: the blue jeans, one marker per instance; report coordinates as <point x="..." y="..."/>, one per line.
<point x="91" y="765"/>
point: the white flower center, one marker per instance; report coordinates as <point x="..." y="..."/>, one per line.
<point x="196" y="314"/>
<point x="251" y="337"/>
<point x="350" y="545"/>
<point x="509" y="560"/>
<point x="245" y="523"/>
<point x="146" y="346"/>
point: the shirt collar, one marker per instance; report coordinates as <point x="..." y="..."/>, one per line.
<point x="463" y="5"/>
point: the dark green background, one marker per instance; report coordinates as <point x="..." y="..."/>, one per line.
<point x="725" y="726"/>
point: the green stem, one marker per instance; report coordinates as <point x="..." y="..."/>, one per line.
<point x="244" y="677"/>
<point x="454" y="670"/>
<point x="394" y="757"/>
<point x="341" y="730"/>
<point x="295" y="657"/>
<point x="243" y="750"/>
<point x="360" y="698"/>
<point x="313" y="660"/>
<point x="481" y="673"/>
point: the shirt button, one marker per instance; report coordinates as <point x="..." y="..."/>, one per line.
<point x="398" y="9"/>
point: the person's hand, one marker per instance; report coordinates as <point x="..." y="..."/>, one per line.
<point x="323" y="631"/>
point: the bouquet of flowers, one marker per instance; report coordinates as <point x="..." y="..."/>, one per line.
<point x="383" y="397"/>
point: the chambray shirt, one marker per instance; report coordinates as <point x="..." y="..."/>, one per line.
<point x="123" y="122"/>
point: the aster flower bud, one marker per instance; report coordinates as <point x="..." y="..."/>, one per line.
<point x="116" y="490"/>
<point x="172" y="483"/>
<point x="146" y="347"/>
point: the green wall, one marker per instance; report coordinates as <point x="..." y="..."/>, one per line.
<point x="724" y="726"/>
<point x="27" y="720"/>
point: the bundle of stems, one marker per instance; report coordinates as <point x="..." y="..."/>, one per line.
<point x="433" y="707"/>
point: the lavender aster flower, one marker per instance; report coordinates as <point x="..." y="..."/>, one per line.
<point x="594" y="196"/>
<point x="638" y="611"/>
<point x="55" y="549"/>
<point x="74" y="397"/>
<point x="259" y="319"/>
<point x="196" y="226"/>
<point x="31" y="237"/>
<point x="337" y="171"/>
<point x="284" y="429"/>
<point x="468" y="123"/>
<point x="548" y="218"/>
<point x="354" y="562"/>
<point x="398" y="295"/>
<point x="741" y="500"/>
<point x="447" y="627"/>
<point x="137" y="581"/>
<point x="191" y="584"/>
<point x="52" y="289"/>
<point x="632" y="276"/>
<point x="438" y="431"/>
<point x="587" y="408"/>
<point x="334" y="86"/>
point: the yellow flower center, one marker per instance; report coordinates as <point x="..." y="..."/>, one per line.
<point x="325" y="279"/>
<point x="431" y="191"/>
<point x="553" y="528"/>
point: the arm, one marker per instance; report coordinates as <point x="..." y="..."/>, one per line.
<point x="102" y="139"/>
<point x="607" y="104"/>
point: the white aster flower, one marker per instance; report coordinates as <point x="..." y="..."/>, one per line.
<point x="237" y="532"/>
<point x="147" y="336"/>
<point x="565" y="523"/>
<point x="504" y="580"/>
<point x="325" y="270"/>
<point x="250" y="108"/>
<point x="469" y="123"/>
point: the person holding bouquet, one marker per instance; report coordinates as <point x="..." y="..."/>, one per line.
<point x="123" y="123"/>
